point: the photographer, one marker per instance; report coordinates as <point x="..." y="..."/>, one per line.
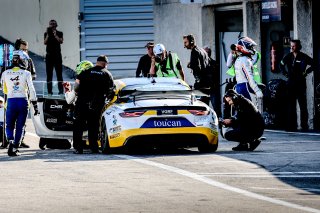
<point x="53" y="39"/>
<point x="246" y="126"/>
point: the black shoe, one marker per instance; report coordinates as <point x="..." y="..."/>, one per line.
<point x="254" y="144"/>
<point x="23" y="145"/>
<point x="77" y="151"/>
<point x="42" y="144"/>
<point x="241" y="147"/>
<point x="12" y="151"/>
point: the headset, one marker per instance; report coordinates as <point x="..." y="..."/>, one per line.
<point x="231" y="94"/>
<point x="190" y="38"/>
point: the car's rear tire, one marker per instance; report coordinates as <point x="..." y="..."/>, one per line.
<point x="206" y="147"/>
<point x="105" y="146"/>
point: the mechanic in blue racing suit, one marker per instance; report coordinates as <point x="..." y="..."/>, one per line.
<point x="246" y="85"/>
<point x="16" y="82"/>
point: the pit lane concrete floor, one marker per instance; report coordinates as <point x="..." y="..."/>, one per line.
<point x="282" y="175"/>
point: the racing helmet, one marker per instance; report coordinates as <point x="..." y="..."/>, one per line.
<point x="246" y="45"/>
<point x="20" y="59"/>
<point x="83" y="65"/>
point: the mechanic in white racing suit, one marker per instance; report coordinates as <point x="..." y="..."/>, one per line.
<point x="70" y="94"/>
<point x="16" y="83"/>
<point x="246" y="85"/>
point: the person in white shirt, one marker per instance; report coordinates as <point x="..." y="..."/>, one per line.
<point x="17" y="85"/>
<point x="1" y="118"/>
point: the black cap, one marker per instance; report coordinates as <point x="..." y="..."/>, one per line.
<point x="231" y="93"/>
<point x="103" y="58"/>
<point x="149" y="44"/>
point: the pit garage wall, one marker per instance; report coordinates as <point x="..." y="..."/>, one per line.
<point x="29" y="19"/>
<point x="173" y="20"/>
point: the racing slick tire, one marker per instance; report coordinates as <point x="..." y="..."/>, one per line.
<point x="206" y="147"/>
<point x="105" y="147"/>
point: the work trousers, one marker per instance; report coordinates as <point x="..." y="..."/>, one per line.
<point x="54" y="61"/>
<point x="86" y="118"/>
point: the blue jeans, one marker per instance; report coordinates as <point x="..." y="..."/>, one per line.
<point x="16" y="115"/>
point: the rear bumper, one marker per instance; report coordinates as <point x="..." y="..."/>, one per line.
<point x="181" y="137"/>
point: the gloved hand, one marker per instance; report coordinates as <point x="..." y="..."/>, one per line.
<point x="259" y="94"/>
<point x="35" y="107"/>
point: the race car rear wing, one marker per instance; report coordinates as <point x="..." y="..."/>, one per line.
<point x="126" y="95"/>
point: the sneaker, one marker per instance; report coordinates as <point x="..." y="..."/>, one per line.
<point x="241" y="147"/>
<point x="23" y="145"/>
<point x="78" y="151"/>
<point x="254" y="144"/>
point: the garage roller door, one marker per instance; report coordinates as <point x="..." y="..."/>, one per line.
<point x="117" y="28"/>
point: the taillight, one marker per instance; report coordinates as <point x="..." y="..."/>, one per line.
<point x="198" y="112"/>
<point x="131" y="114"/>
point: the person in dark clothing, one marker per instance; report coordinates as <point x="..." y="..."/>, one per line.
<point x="214" y="88"/>
<point x="200" y="66"/>
<point x="93" y="86"/>
<point x="144" y="64"/>
<point x="294" y="67"/>
<point x="247" y="124"/>
<point x="53" y="39"/>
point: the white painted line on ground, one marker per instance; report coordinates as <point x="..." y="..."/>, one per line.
<point x="265" y="153"/>
<point x="296" y="133"/>
<point x="284" y="189"/>
<point x="264" y="176"/>
<point x="217" y="184"/>
<point x="288" y="142"/>
<point x="257" y="173"/>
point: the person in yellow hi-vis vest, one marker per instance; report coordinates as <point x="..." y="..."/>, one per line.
<point x="255" y="59"/>
<point x="165" y="64"/>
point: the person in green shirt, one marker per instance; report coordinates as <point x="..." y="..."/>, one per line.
<point x="165" y="64"/>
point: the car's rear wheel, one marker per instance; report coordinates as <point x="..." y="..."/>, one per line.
<point x="105" y="147"/>
<point x="206" y="147"/>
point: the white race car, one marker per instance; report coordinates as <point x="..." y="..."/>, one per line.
<point x="157" y="112"/>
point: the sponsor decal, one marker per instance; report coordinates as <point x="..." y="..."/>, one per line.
<point x="69" y="122"/>
<point x="115" y="129"/>
<point x="167" y="123"/>
<point x="52" y="120"/>
<point x="201" y="118"/>
<point x="115" y="121"/>
<point x="114" y="136"/>
<point x="56" y="106"/>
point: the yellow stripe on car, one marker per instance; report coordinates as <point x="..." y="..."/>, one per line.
<point x="118" y="139"/>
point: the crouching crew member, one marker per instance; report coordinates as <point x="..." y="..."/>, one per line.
<point x="93" y="86"/>
<point x="246" y="126"/>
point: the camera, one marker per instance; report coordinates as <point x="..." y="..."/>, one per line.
<point x="50" y="31"/>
